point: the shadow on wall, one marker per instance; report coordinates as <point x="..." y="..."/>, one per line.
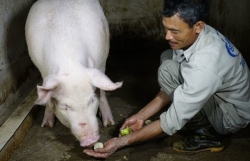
<point x="18" y="74"/>
<point x="20" y="65"/>
<point x="232" y="19"/>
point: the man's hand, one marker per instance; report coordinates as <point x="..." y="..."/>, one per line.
<point x="109" y="147"/>
<point x="134" y="122"/>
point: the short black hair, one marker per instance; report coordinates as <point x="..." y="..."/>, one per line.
<point x="190" y="11"/>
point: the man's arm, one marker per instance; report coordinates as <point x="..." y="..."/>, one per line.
<point x="160" y="100"/>
<point x="147" y="132"/>
<point x="136" y="121"/>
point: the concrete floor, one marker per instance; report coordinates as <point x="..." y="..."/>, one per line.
<point x="137" y="67"/>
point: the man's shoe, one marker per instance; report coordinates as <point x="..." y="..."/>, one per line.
<point x="202" y="136"/>
<point x="197" y="143"/>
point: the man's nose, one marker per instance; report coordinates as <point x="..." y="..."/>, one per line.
<point x="168" y="35"/>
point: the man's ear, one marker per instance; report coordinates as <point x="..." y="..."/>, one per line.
<point x="199" y="26"/>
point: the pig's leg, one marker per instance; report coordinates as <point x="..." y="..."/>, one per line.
<point x="49" y="117"/>
<point x="107" y="117"/>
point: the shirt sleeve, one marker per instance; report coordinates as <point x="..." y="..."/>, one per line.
<point x="199" y="85"/>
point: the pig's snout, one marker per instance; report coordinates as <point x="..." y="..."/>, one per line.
<point x="82" y="124"/>
<point x="89" y="140"/>
<point x="86" y="132"/>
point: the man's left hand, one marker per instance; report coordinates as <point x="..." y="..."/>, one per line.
<point x="109" y="148"/>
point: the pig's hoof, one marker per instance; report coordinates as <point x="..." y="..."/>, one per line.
<point x="47" y="123"/>
<point x="108" y="122"/>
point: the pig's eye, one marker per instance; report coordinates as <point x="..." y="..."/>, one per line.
<point x="64" y="107"/>
<point x="91" y="100"/>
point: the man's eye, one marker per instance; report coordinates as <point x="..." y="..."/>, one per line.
<point x="174" y="32"/>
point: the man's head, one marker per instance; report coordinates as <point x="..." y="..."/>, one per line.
<point x="183" y="20"/>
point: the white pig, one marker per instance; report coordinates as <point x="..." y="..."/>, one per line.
<point x="68" y="41"/>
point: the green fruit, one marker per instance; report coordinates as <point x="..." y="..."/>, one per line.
<point x="125" y="131"/>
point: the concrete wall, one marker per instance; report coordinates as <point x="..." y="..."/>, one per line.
<point x="136" y="20"/>
<point x="16" y="70"/>
<point x="140" y="21"/>
<point x="232" y="18"/>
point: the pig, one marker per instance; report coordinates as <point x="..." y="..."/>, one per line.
<point x="68" y="42"/>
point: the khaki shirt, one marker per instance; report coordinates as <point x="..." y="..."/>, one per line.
<point x="212" y="66"/>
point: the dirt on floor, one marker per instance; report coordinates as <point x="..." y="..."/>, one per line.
<point x="137" y="67"/>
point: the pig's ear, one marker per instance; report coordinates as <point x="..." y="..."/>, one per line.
<point x="44" y="92"/>
<point x="100" y="80"/>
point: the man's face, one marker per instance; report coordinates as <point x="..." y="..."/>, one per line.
<point x="178" y="34"/>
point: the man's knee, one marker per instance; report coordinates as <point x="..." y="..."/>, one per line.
<point x="168" y="66"/>
<point x="169" y="76"/>
<point x="167" y="55"/>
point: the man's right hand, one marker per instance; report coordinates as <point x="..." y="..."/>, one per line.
<point x="134" y="122"/>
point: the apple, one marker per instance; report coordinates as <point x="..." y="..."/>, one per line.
<point x="125" y="131"/>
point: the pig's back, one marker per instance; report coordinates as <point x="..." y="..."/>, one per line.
<point x="66" y="31"/>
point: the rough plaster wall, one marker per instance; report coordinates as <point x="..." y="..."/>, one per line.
<point x="140" y="19"/>
<point x="16" y="70"/>
<point x="232" y="18"/>
<point x="134" y="19"/>
<point x="128" y="19"/>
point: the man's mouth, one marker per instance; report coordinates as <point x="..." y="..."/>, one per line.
<point x="172" y="43"/>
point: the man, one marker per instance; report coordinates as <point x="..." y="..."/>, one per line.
<point x="203" y="77"/>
